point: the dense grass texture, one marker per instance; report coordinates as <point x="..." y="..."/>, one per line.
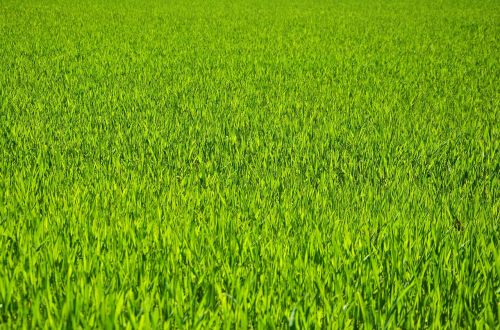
<point x="249" y="164"/>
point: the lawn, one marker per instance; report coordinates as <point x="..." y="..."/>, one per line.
<point x="249" y="164"/>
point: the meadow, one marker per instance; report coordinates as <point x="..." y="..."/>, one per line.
<point x="249" y="164"/>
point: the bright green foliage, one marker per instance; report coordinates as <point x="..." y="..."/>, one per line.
<point x="249" y="164"/>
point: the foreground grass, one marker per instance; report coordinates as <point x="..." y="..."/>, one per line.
<point x="249" y="164"/>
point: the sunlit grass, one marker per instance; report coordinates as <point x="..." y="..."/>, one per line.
<point x="249" y="164"/>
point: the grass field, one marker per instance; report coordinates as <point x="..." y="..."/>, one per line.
<point x="249" y="164"/>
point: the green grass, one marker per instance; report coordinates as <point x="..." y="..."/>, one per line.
<point x="249" y="164"/>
